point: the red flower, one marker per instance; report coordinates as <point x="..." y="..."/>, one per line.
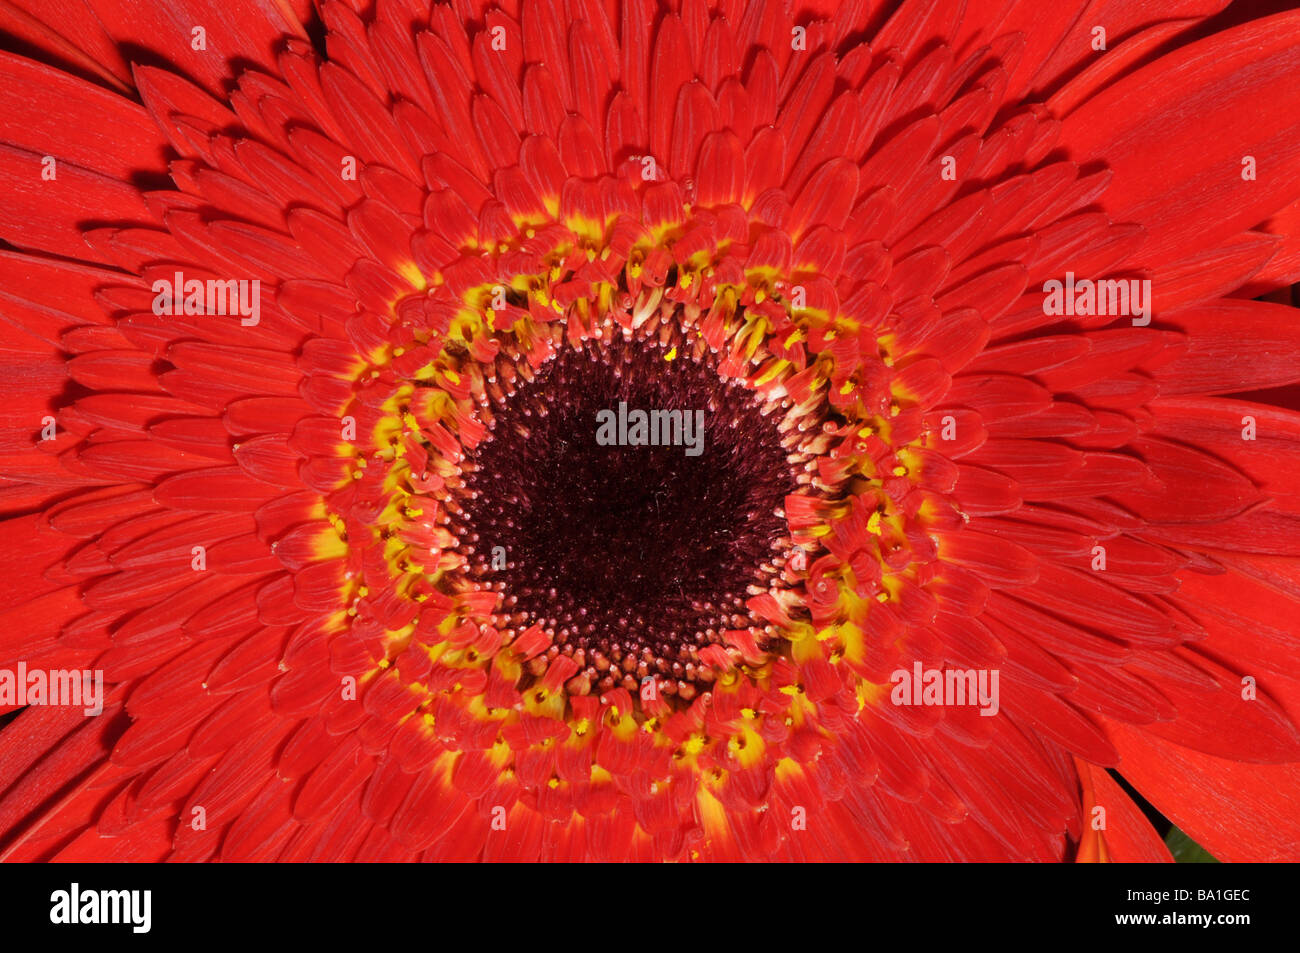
<point x="309" y="352"/>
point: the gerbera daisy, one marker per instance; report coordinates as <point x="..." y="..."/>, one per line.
<point x="563" y="430"/>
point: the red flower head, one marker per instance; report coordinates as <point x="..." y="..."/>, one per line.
<point x="584" y="429"/>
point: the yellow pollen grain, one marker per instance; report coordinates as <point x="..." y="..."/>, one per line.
<point x="671" y="355"/>
<point x="846" y="388"/>
<point x="873" y="524"/>
<point x="900" y="471"/>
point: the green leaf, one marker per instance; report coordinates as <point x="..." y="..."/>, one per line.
<point x="1186" y="850"/>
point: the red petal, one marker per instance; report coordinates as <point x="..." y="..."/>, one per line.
<point x="1239" y="83"/>
<point x="1238" y="812"/>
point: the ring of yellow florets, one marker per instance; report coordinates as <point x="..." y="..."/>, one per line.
<point x="856" y="526"/>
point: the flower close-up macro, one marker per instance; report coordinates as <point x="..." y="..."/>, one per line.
<point x="622" y="430"/>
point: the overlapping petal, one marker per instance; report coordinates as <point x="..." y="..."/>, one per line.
<point x="847" y="214"/>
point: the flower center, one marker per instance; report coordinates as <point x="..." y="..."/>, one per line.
<point x="627" y="499"/>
